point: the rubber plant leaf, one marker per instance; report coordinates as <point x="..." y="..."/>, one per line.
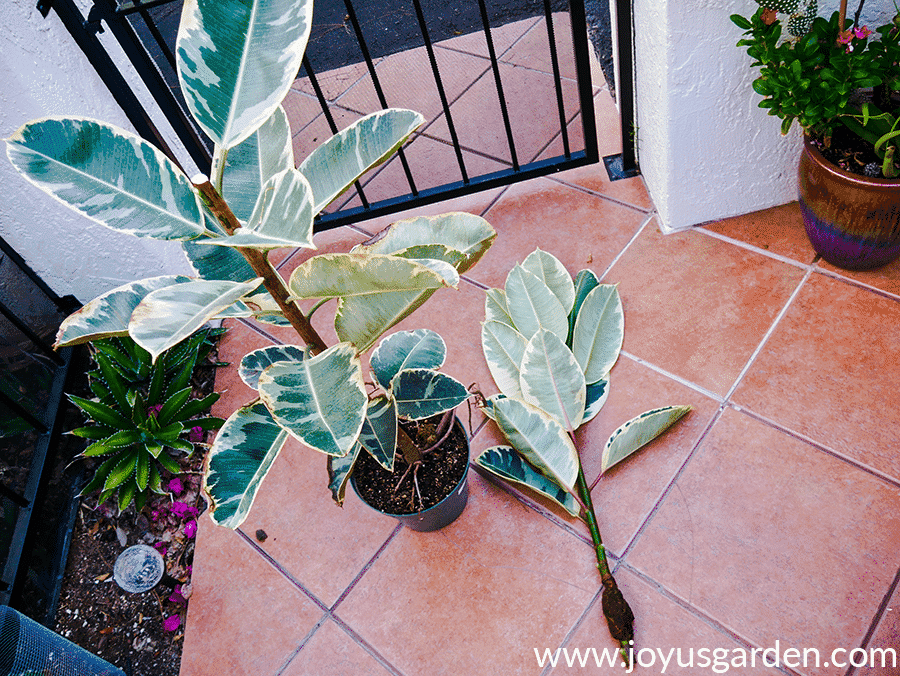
<point x="379" y="431"/>
<point x="540" y="439"/>
<point x="216" y="262"/>
<point x="553" y="273"/>
<point x="595" y="397"/>
<point x="533" y="306"/>
<point x="282" y="216"/>
<point x="321" y="400"/>
<point x="585" y="282"/>
<point x="334" y="166"/>
<point x="112" y="176"/>
<point x="639" y="432"/>
<point x="419" y="349"/>
<point x="237" y="59"/>
<point x="503" y="349"/>
<point x="244" y="450"/>
<point x="506" y="463"/>
<point x="255" y="362"/>
<point x="599" y="332"/>
<point x="472" y="235"/>
<point x="339" y="470"/>
<point x="495" y="308"/>
<point x="552" y="380"/>
<point x="423" y="393"/>
<point x="167" y="316"/>
<point x="251" y="163"/>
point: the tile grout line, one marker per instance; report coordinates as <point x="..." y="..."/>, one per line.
<point x="879" y="615"/>
<point x="368" y="565"/>
<point x="306" y="639"/>
<point x="750" y="247"/>
<point x="256" y="329"/>
<point x="837" y="276"/>
<point x="649" y="217"/>
<point x="594" y="193"/>
<point x="575" y="627"/>
<point x="678" y="379"/>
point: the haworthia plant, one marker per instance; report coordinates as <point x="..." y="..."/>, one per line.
<point x="550" y="342"/>
<point x="236" y="61"/>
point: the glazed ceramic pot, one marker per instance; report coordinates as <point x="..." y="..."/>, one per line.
<point x="852" y="221"/>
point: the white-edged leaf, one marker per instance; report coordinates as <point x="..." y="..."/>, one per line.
<point x="418" y="349"/>
<point x="553" y="273"/>
<point x="216" y="262"/>
<point x="167" y="316"/>
<point x="638" y="432"/>
<point x="244" y="450"/>
<point x="533" y="306"/>
<point x="540" y="439"/>
<point x="596" y="395"/>
<point x="379" y="431"/>
<point x="338" y="162"/>
<point x="422" y="393"/>
<point x="320" y="400"/>
<point x="507" y="464"/>
<point x="488" y="406"/>
<point x="237" y="59"/>
<point x="108" y="174"/>
<point x="339" y="471"/>
<point x="551" y="379"/>
<point x="599" y="332"/>
<point x="585" y="282"/>
<point x="495" y="309"/>
<point x="109" y="314"/>
<point x="255" y="362"/>
<point x="503" y="348"/>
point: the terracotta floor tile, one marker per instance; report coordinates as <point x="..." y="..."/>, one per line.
<point x="665" y="632"/>
<point x="334" y="82"/>
<point x="332" y="651"/>
<point x="696" y="306"/>
<point x="775" y="539"/>
<point x="238" y="340"/>
<point x="887" y="639"/>
<point x="829" y="369"/>
<point x="309" y="134"/>
<point x="238" y="600"/>
<point x="492" y="585"/>
<point x="886" y="278"/>
<point x="321" y="545"/>
<point x="779" y="230"/>
<point x="589" y="231"/>
<point x="503" y="38"/>
<point x="533" y="50"/>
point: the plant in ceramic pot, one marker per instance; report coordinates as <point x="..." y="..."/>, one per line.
<point x="550" y="343"/>
<point x="236" y="61"/>
<point x="839" y="82"/>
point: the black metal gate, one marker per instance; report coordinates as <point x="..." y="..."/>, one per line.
<point x="358" y="38"/>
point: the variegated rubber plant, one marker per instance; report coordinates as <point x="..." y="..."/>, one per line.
<point x="550" y="343"/>
<point x="236" y="61"/>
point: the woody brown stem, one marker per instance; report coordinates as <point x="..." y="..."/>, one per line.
<point x="261" y="266"/>
<point x="843" y="15"/>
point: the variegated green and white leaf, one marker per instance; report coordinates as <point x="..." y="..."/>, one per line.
<point x="244" y="450"/>
<point x="419" y="349"/>
<point x="422" y="393"/>
<point x="167" y="316"/>
<point x="503" y="348"/>
<point x="216" y="262"/>
<point x="321" y="400"/>
<point x="108" y="174"/>
<point x="552" y="380"/>
<point x="472" y="235"/>
<point x="339" y="471"/>
<point x="336" y="164"/>
<point x="488" y="407"/>
<point x="237" y="59"/>
<point x="533" y="306"/>
<point x="108" y="315"/>
<point x="585" y="282"/>
<point x="438" y="252"/>
<point x="599" y="332"/>
<point x="596" y="395"/>
<point x="250" y="164"/>
<point x="379" y="431"/>
<point x="539" y="438"/>
<point x="507" y="464"/>
<point x="553" y="273"/>
<point x="639" y="432"/>
<point x="282" y="217"/>
<point x="495" y="309"/>
<point x="255" y="362"/>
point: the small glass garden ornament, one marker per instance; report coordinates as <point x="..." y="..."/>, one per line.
<point x="139" y="568"/>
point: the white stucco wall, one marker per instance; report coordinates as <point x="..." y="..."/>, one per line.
<point x="43" y="72"/>
<point x="706" y="150"/>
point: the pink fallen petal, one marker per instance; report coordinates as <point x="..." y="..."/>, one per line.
<point x="196" y="434"/>
<point x="175" y="486"/>
<point x="190" y="528"/>
<point x="161" y="547"/>
<point x="176" y="597"/>
<point x="172" y="622"/>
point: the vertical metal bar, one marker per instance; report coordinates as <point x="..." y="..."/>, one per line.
<point x="440" y="88"/>
<point x="157" y="36"/>
<point x="329" y="118"/>
<point x="495" y="66"/>
<point x="22" y="412"/>
<point x="626" y="83"/>
<point x="554" y="60"/>
<point x="581" y="47"/>
<point x="360" y="38"/>
<point x="35" y="339"/>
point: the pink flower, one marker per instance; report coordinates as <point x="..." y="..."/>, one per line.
<point x="161" y="547"/>
<point x="154" y="410"/>
<point x="176" y="596"/>
<point x="183" y="509"/>
<point x="862" y="32"/>
<point x="196" y="433"/>
<point x="190" y="528"/>
<point x="172" y="622"/>
<point x="176" y="486"/>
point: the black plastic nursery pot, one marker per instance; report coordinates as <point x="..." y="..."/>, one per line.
<point x="439" y="515"/>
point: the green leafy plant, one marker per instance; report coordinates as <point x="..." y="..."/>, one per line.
<point x="832" y="74"/>
<point x="236" y="61"/>
<point x="550" y="343"/>
<point x="141" y="414"/>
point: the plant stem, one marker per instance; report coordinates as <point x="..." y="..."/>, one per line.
<point x="261" y="266"/>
